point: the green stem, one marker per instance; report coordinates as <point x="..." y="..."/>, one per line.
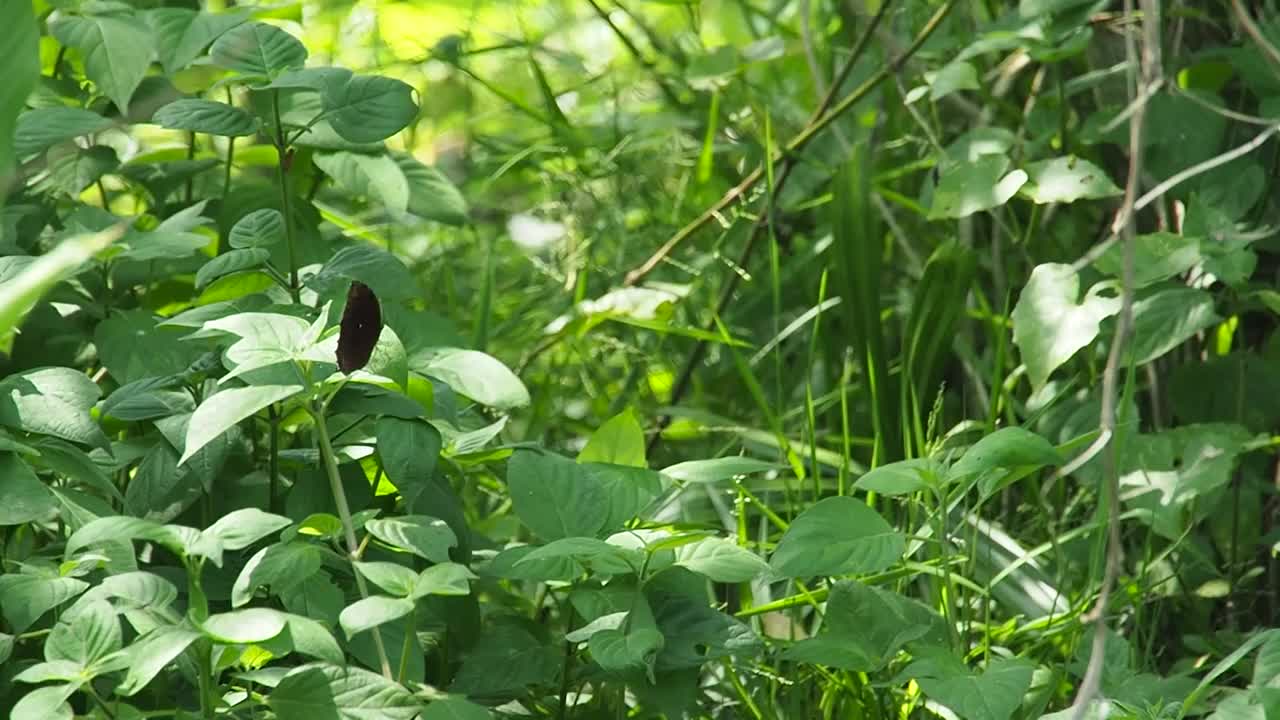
<point x="344" y="513"/>
<point x="407" y="647"/>
<point x="282" y="150"/>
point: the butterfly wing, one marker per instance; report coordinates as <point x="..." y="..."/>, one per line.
<point x="361" y="326"/>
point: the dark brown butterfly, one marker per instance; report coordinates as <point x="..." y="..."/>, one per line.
<point x="361" y="326"/>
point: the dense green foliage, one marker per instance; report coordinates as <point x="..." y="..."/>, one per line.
<point x="738" y="359"/>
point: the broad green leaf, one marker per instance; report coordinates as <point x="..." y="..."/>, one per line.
<point x="240" y="627"/>
<point x="182" y="34"/>
<point x="718" y="469"/>
<point x="383" y="272"/>
<point x="73" y="170"/>
<point x="424" y="536"/>
<point x="371" y="612"/>
<point x="231" y="262"/>
<point x="864" y="627"/>
<point x="443" y="579"/>
<point x="628" y="490"/>
<point x="902" y="477"/>
<point x="369" y="108"/>
<point x="616" y="651"/>
<point x="258" y="229"/>
<point x="479" y="376"/>
<point x="598" y="555"/>
<point x="241" y="528"/>
<point x="408" y="450"/>
<point x="310" y="637"/>
<point x="505" y="659"/>
<point x="206" y="116"/>
<point x="135" y="348"/>
<point x="431" y="195"/>
<point x="1066" y="180"/>
<point x="390" y="577"/>
<point x="48" y="671"/>
<point x="91" y="635"/>
<point x="953" y="77"/>
<point x="219" y="413"/>
<point x="52" y="401"/>
<point x="161" y="245"/>
<point x="118" y="528"/>
<point x="553" y="496"/>
<point x="140" y="589"/>
<point x="24" y="598"/>
<point x="373" y="176"/>
<point x="1156" y="256"/>
<point x="1010" y="447"/>
<point x="280" y="566"/>
<point x="151" y="653"/>
<point x="1166" y="319"/>
<point x="1051" y="323"/>
<point x="509" y="564"/>
<point x="455" y="708"/>
<point x="620" y="441"/>
<point x="837" y="536"/>
<point x="117" y="51"/>
<point x="26" y="499"/>
<point x="972" y="187"/>
<point x="992" y="695"/>
<point x="20" y="294"/>
<point x="20" y="67"/>
<point x="321" y="690"/>
<point x="721" y="560"/>
<point x="258" y="49"/>
<point x="45" y="703"/>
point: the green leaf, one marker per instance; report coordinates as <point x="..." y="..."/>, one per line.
<point x="45" y="703"/>
<point x="455" y="708"/>
<point x="221" y="412"/>
<point x="310" y="637"/>
<point x="721" y="560"/>
<point x="241" y="627"/>
<point x="1166" y="319"/>
<point x="26" y="499"/>
<point x="40" y="128"/>
<point x="1050" y="323"/>
<point x="718" y="469"/>
<point x="553" y="496"/>
<point x="424" y="536"/>
<point x="281" y="566"/>
<point x="837" y="536"/>
<point x="92" y="634"/>
<point x="409" y="450"/>
<point x="369" y="108"/>
<point x="24" y="598"/>
<point x="628" y="490"/>
<point x="229" y="263"/>
<point x="258" y="49"/>
<point x="239" y="529"/>
<point x="902" y="477"/>
<point x="1156" y="256"/>
<point x="620" y="441"/>
<point x="383" y="272"/>
<point x="376" y="177"/>
<point x="20" y="67"/>
<point x="53" y="401"/>
<point x="116" y="49"/>
<point x="73" y="170"/>
<point x="391" y="577"/>
<point x="1011" y="447"/>
<point x="993" y="695"/>
<point x="618" y="651"/>
<point x="20" y="294"/>
<point x="479" y="376"/>
<point x="598" y="555"/>
<point x="259" y="229"/>
<point x="321" y="690"/>
<point x="975" y="186"/>
<point x="1066" y="180"/>
<point x="506" y="658"/>
<point x="140" y="589"/>
<point x="431" y="195"/>
<point x="182" y="34"/>
<point x="863" y="628"/>
<point x="450" y="579"/>
<point x="371" y="612"/>
<point x="151" y="653"/>
<point x="953" y="77"/>
<point x="206" y="116"/>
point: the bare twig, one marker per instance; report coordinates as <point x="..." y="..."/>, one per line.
<point x="1150" y="69"/>
<point x="1250" y="27"/>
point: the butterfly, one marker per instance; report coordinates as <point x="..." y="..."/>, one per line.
<point x="360" y="328"/>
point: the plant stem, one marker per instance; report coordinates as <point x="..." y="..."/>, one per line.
<point x="348" y="527"/>
<point x="282" y="176"/>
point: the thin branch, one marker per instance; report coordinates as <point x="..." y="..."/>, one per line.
<point x="1250" y="27"/>
<point x="1150" y="68"/>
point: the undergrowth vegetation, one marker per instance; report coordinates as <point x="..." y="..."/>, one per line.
<point x="634" y="358"/>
